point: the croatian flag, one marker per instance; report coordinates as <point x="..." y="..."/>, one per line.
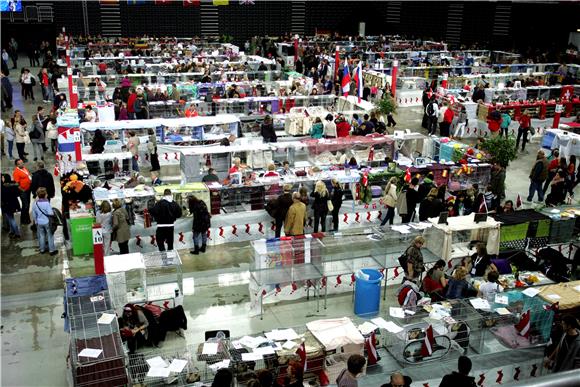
<point x="345" y="80"/>
<point x="359" y="80"/>
<point x="523" y="327"/>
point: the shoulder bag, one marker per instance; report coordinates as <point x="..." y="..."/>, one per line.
<point x="53" y="222"/>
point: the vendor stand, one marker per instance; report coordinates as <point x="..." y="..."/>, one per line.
<point x="451" y="241"/>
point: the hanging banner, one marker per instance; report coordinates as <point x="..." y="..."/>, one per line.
<point x="191" y="3"/>
<point x="221" y="2"/>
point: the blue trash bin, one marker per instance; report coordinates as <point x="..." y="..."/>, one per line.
<point x="367" y="293"/>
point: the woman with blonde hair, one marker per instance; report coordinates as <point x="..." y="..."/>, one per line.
<point x="105" y="219"/>
<point x="390" y="200"/>
<point x="458" y="287"/>
<point x="320" y="204"/>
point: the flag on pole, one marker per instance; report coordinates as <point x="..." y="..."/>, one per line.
<point x="482" y="206"/>
<point x="408" y="175"/>
<point x="523" y="327"/>
<point x="191" y="3"/>
<point x="428" y="343"/>
<point x="301" y="351"/>
<point x="518" y="201"/>
<point x="336" y="63"/>
<point x="371" y="348"/>
<point x="359" y="80"/>
<point x="345" y="80"/>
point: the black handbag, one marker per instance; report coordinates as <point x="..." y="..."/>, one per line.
<point x="53" y="222"/>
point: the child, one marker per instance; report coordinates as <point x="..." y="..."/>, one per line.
<point x="489" y="289"/>
<point x="489" y="198"/>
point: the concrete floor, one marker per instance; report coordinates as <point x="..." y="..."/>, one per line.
<point x="31" y="291"/>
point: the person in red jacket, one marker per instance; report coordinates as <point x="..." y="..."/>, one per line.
<point x="447" y="120"/>
<point x="342" y="127"/>
<point x="494" y="123"/>
<point x="525" y="124"/>
<point x="131" y="104"/>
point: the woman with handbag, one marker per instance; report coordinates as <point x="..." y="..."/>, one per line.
<point x="390" y="200"/>
<point x="336" y="202"/>
<point x="43" y="214"/>
<point x="320" y="205"/>
<point x="121" y="229"/>
<point x="20" y="134"/>
<point x="37" y="136"/>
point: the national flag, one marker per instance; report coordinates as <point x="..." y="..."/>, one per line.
<point x="428" y="343"/>
<point x="408" y="175"/>
<point x="518" y="201"/>
<point x="323" y="378"/>
<point x="358" y="78"/>
<point x="191" y="3"/>
<point x="345" y="80"/>
<point x="301" y="352"/>
<point x="482" y="206"/>
<point x="336" y="63"/>
<point x="371" y="348"/>
<point x="523" y="327"/>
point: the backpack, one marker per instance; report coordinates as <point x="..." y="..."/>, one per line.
<point x="430" y="109"/>
<point x="402" y="203"/>
<point x="35" y="133"/>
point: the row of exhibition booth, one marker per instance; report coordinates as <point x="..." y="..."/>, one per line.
<point x="290" y="269"/>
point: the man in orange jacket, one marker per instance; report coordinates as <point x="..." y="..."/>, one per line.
<point x="23" y="178"/>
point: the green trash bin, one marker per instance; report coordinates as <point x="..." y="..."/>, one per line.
<point x="82" y="234"/>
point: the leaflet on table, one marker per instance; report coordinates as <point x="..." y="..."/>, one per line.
<point x="157" y="372"/>
<point x="222" y="364"/>
<point x="531" y="292"/>
<point x="388" y="325"/>
<point x="106" y="318"/>
<point x="502" y="311"/>
<point x="480" y="303"/>
<point x="501" y="299"/>
<point x="210" y="348"/>
<point x="367" y="327"/>
<point x="177" y="365"/>
<point x="157" y="362"/>
<point x="281" y="335"/>
<point x="90" y="352"/>
<point x="396" y="312"/>
<point x="252" y="342"/>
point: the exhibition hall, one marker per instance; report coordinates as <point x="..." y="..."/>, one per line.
<point x="290" y="193"/>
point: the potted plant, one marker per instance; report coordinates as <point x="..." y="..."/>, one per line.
<point x="386" y="106"/>
<point x="503" y="149"/>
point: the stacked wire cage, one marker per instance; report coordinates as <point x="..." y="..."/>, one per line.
<point x="163" y="275"/>
<point x="108" y="367"/>
<point x="456" y="326"/>
<point x="196" y="369"/>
